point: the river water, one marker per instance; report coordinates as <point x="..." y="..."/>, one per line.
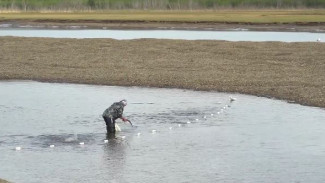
<point x="166" y="34"/>
<point x="178" y="136"/>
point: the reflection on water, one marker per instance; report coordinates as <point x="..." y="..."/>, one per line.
<point x="114" y="158"/>
<point x="179" y="136"/>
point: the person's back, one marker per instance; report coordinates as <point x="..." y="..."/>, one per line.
<point x="112" y="113"/>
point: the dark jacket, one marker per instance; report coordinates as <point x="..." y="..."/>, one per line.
<point x="114" y="111"/>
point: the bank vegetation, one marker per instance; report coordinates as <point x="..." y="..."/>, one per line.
<point x="298" y="17"/>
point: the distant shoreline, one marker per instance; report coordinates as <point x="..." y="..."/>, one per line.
<point x="290" y="20"/>
<point x="315" y="27"/>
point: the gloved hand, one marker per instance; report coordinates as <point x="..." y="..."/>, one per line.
<point x="124" y="119"/>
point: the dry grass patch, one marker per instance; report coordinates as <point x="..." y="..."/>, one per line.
<point x="289" y="71"/>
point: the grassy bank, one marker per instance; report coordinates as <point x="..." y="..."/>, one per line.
<point x="221" y="16"/>
<point x="288" y="71"/>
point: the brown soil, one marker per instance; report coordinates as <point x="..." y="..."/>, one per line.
<point x="288" y="71"/>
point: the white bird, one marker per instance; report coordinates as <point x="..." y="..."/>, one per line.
<point x="318" y="40"/>
<point x="204" y="117"/>
<point x="188" y="122"/>
<point x="18" y="148"/>
<point x="179" y="125"/>
<point x="105" y="141"/>
<point x="51" y="146"/>
<point x="232" y="99"/>
<point x="139" y="134"/>
<point x="196" y="119"/>
<point x="82" y="143"/>
<point x="154" y="131"/>
<point x="212" y="114"/>
<point x="123" y="137"/>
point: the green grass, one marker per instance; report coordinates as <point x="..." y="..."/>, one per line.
<point x="244" y="16"/>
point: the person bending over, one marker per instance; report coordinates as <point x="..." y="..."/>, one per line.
<point x="112" y="113"/>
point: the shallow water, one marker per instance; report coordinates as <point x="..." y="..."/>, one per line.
<point x="200" y="136"/>
<point x="168" y="34"/>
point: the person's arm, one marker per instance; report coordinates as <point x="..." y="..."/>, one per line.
<point x="120" y="112"/>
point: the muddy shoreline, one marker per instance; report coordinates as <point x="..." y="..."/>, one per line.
<point x="163" y="25"/>
<point x="288" y="71"/>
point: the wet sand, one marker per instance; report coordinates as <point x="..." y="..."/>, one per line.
<point x="287" y="71"/>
